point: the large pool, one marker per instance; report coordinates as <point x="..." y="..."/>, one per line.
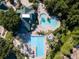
<point x="39" y="43"/>
<point x="50" y="22"/>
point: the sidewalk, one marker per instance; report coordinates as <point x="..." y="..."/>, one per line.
<point x="26" y="3"/>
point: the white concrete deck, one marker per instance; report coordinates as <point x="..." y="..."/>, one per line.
<point x="10" y="5"/>
<point x="26" y="3"/>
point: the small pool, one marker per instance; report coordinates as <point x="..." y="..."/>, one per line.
<point x="51" y="22"/>
<point x="38" y="42"/>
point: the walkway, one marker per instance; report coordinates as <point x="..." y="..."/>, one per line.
<point x="8" y="4"/>
<point x="42" y="9"/>
<point x="26" y="3"/>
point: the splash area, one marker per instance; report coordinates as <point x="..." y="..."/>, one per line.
<point x="46" y="22"/>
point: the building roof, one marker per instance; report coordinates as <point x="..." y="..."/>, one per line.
<point x="23" y="9"/>
<point x="3" y="6"/>
<point x="25" y="15"/>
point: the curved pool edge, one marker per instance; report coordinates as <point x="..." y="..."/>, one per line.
<point x="54" y="25"/>
<point x="58" y="25"/>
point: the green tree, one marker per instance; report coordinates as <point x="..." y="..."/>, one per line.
<point x="11" y="1"/>
<point x="55" y="7"/>
<point x="9" y="20"/>
<point x="68" y="12"/>
<point x="68" y="45"/>
<point x="31" y="0"/>
<point x="35" y="6"/>
<point x="4" y="48"/>
<point x="9" y="37"/>
<point x="66" y="9"/>
<point x="59" y="55"/>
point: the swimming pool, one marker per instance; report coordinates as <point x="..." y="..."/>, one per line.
<point x="38" y="42"/>
<point x="51" y="22"/>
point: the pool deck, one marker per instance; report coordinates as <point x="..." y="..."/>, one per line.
<point x="26" y="3"/>
<point x="41" y="9"/>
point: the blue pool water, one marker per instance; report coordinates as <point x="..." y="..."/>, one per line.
<point x="38" y="42"/>
<point x="51" y="22"/>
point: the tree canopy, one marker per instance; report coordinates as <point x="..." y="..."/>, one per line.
<point x="68" y="13"/>
<point x="4" y="48"/>
<point x="9" y="20"/>
<point x="67" y="10"/>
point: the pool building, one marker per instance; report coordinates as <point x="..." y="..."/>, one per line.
<point x="29" y="20"/>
